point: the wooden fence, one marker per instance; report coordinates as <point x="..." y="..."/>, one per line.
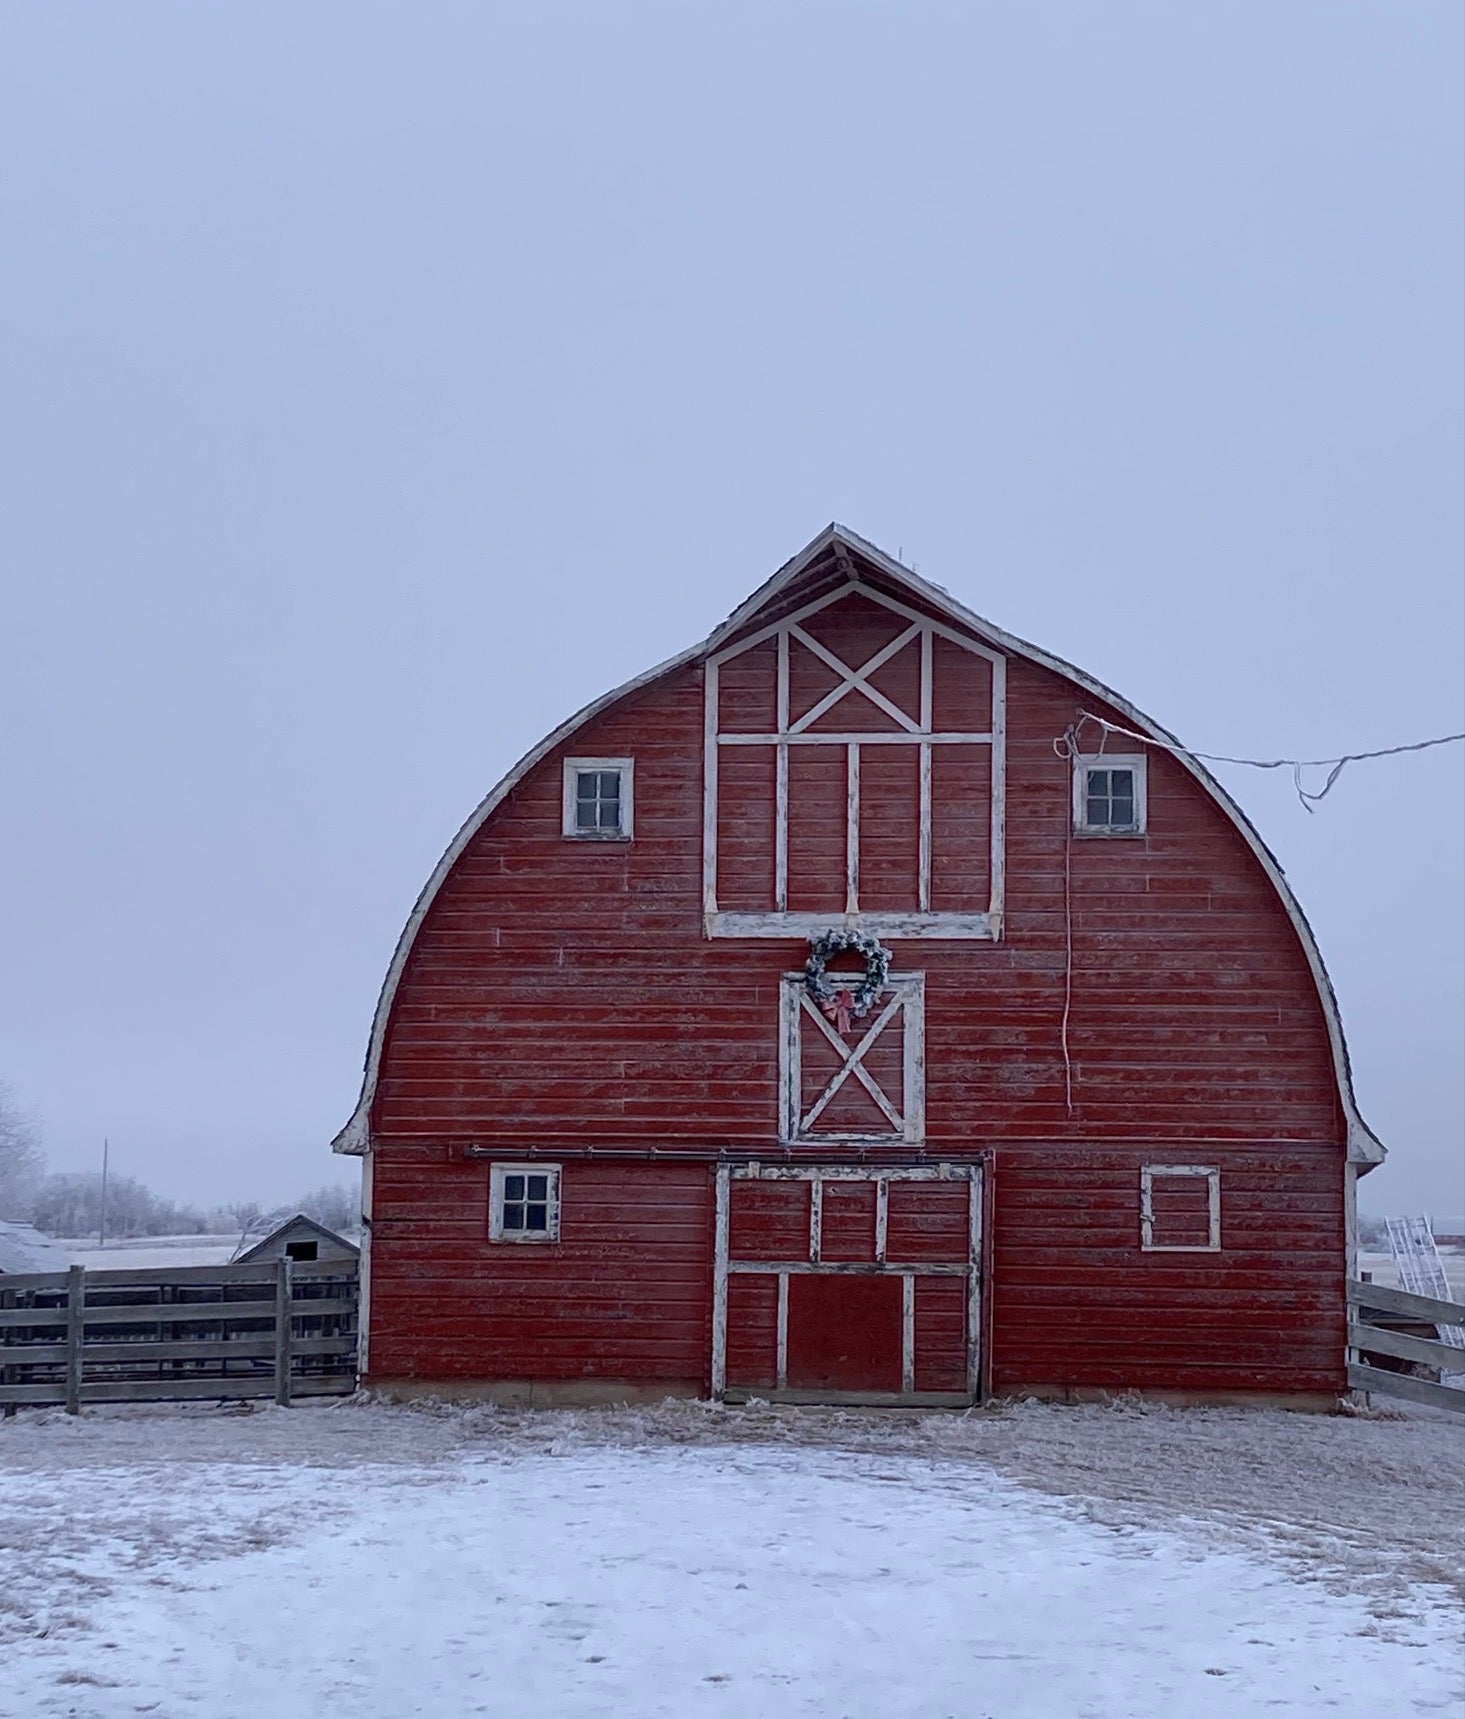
<point x="1398" y="1332"/>
<point x="276" y="1329"/>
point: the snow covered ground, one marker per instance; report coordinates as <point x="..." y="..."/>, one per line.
<point x="1034" y="1563"/>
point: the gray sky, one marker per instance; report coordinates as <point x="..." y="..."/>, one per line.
<point x="382" y="382"/>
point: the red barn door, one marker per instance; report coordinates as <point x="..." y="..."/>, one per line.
<point x="840" y="1284"/>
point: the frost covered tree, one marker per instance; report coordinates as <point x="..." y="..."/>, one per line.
<point x="336" y="1207"/>
<point x="22" y="1161"/>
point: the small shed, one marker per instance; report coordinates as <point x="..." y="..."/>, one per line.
<point x="303" y="1239"/>
<point x="24" y="1249"/>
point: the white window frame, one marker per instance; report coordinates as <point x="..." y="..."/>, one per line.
<point x="627" y="770"/>
<point x="1135" y="761"/>
<point x="533" y="1238"/>
<point x="1147" y="1175"/>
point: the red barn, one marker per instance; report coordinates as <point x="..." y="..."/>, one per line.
<point x="838" y="1012"/>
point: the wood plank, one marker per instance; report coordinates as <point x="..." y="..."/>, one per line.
<point x="1383" y="1299"/>
<point x="1379" y="1340"/>
<point x="1384" y="1384"/>
<point x="14" y="1318"/>
<point x="75" y="1316"/>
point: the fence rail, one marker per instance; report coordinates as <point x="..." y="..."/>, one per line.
<point x="1394" y="1326"/>
<point x="281" y="1329"/>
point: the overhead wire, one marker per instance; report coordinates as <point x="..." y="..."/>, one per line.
<point x="1309" y="798"/>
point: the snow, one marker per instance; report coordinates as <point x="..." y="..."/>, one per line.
<point x="149" y="1253"/>
<point x="390" y="1562"/>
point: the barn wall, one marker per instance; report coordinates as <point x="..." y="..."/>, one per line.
<point x="1076" y="1303"/>
<point x="562" y="994"/>
<point x="560" y="990"/>
<point x="624" y="1294"/>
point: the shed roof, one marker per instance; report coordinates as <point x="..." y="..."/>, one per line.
<point x="299" y="1225"/>
<point x="24" y="1249"/>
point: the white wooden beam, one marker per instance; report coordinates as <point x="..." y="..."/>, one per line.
<point x="852" y="830"/>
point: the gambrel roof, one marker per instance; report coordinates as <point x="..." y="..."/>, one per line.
<point x="846" y="550"/>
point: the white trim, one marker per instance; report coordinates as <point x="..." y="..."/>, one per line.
<point x="781" y="1336"/>
<point x="1364" y="1146"/>
<point x="816" y="1219"/>
<point x="719" y="1283"/>
<point x="856" y="737"/>
<point x="363" y="1273"/>
<point x="1147" y="1175"/>
<point x="1086" y="761"/>
<point x="907" y="998"/>
<point x="626" y="768"/>
<point x="497" y="1170"/>
<point x="782" y="1270"/>
<point x="976" y="1200"/>
<point x="909" y="731"/>
<point x="882" y="1217"/>
<point x="852" y="829"/>
<point x="968" y="927"/>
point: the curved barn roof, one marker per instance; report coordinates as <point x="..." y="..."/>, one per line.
<point x="1364" y="1146"/>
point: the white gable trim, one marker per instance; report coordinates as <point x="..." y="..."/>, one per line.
<point x="1364" y="1146"/>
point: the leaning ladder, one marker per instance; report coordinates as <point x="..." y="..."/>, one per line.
<point x="1421" y="1270"/>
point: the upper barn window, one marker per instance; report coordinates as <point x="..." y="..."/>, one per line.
<point x="598" y="799"/>
<point x="1109" y="797"/>
<point x="524" y="1203"/>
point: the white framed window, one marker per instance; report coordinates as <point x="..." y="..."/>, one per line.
<point x="599" y="799"/>
<point x="524" y="1203"/>
<point x="1110" y="794"/>
<point x="1180" y="1208"/>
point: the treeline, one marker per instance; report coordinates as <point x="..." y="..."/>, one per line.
<point x="71" y="1205"/>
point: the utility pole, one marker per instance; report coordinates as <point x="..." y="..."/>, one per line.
<point x="102" y="1221"/>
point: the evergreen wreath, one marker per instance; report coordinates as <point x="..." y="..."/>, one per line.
<point x="846" y="1002"/>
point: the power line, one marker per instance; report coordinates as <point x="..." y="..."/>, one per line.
<point x="1333" y="765"/>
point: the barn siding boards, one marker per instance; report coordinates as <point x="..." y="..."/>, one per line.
<point x="623" y="1295"/>
<point x="596" y="950"/>
<point x="552" y="998"/>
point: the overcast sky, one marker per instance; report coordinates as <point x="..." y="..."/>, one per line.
<point x="382" y="382"/>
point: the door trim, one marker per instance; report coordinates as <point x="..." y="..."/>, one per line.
<point x="724" y="1267"/>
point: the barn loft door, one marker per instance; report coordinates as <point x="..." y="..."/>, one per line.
<point x="865" y="1085"/>
<point x="854" y="772"/>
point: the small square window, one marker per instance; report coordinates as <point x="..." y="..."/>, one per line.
<point x="1109" y="796"/>
<point x="1180" y="1208"/>
<point x="597" y="799"/>
<point x="524" y="1203"/>
<point x="302" y="1250"/>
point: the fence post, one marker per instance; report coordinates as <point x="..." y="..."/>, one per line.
<point x="7" y="1373"/>
<point x="75" y="1328"/>
<point x="284" y="1329"/>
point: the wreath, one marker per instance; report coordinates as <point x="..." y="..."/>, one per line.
<point x="844" y="1003"/>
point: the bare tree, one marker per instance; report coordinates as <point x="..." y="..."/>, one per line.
<point x="336" y="1207"/>
<point x="22" y="1160"/>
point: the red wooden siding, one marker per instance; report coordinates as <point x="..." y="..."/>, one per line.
<point x="624" y="1294"/>
<point x="563" y="995"/>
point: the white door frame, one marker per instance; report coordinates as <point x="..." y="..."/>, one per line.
<point x="725" y="1267"/>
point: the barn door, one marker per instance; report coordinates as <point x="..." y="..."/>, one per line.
<point x="840" y="1284"/>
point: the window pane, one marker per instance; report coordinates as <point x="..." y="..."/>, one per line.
<point x="610" y="814"/>
<point x="587" y="815"/>
<point x="587" y="784"/>
<point x="1098" y="782"/>
<point x="538" y="1187"/>
<point x="513" y="1217"/>
<point x="1121" y="814"/>
<point x="1121" y="782"/>
<point x="536" y="1217"/>
<point x="513" y="1187"/>
<point x="1096" y="813"/>
<point x="610" y="785"/>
